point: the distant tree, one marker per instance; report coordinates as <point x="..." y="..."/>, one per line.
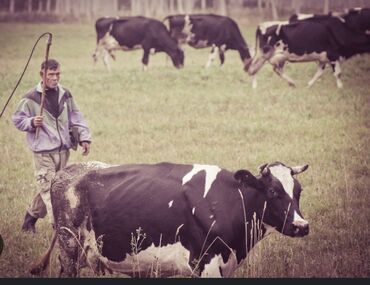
<point x="11" y="6"/>
<point x="221" y="7"/>
<point x="326" y="6"/>
<point x="297" y="4"/>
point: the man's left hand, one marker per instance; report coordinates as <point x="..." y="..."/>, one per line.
<point x="85" y="148"/>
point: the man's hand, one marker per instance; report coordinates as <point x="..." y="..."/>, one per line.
<point x="37" y="121"/>
<point x="85" y="148"/>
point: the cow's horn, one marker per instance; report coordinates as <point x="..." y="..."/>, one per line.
<point x="299" y="169"/>
<point x="263" y="169"/>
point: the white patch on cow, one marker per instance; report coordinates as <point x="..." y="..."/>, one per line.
<point x="217" y="265"/>
<point x="265" y="25"/>
<point x="322" y="57"/>
<point x="170" y="204"/>
<point x="298" y="220"/>
<point x="337" y="73"/>
<point x="170" y="260"/>
<point x="187" y="25"/>
<point x="282" y="173"/>
<point x="211" y="174"/>
<point x="304" y="16"/>
<point x="211" y="217"/>
<point x="108" y="42"/>
<point x="193" y="210"/>
<point x="96" y="165"/>
<point x="72" y="197"/>
<point x="212" y="269"/>
<point x="212" y="56"/>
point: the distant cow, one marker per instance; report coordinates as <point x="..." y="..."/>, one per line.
<point x="326" y="39"/>
<point x="208" y="30"/>
<point x="357" y="19"/>
<point x="130" y="33"/>
<point x="170" y="219"/>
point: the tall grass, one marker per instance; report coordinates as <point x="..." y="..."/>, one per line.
<point x="209" y="116"/>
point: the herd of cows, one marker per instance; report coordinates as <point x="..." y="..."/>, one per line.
<point x="326" y="39"/>
<point x="166" y="219"/>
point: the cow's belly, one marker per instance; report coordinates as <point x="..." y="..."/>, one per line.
<point x="110" y="43"/>
<point x="126" y="48"/>
<point x="198" y="44"/>
<point x="165" y="261"/>
<point x="280" y="57"/>
<point x="313" y="56"/>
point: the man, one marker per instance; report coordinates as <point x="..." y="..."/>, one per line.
<point x="51" y="146"/>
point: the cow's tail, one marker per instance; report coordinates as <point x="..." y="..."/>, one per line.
<point x="43" y="263"/>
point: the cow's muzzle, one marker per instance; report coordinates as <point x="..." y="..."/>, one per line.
<point x="300" y="230"/>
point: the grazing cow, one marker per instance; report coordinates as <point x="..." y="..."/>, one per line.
<point x="170" y="219"/>
<point x="130" y="33"/>
<point x="358" y="19"/>
<point x="325" y="39"/>
<point x="209" y="30"/>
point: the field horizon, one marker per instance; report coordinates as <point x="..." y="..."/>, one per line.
<point x="206" y="116"/>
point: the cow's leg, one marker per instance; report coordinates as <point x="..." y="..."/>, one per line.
<point x="212" y="56"/>
<point x="279" y="69"/>
<point x="254" y="81"/>
<point x="106" y="59"/>
<point x="222" y="54"/>
<point x="145" y="59"/>
<point x="338" y="73"/>
<point x="69" y="245"/>
<point x="96" y="54"/>
<point x="318" y="74"/>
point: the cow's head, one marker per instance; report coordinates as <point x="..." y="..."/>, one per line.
<point x="279" y="191"/>
<point x="177" y="57"/>
<point x="267" y="40"/>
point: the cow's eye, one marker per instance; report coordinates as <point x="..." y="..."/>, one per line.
<point x="273" y="193"/>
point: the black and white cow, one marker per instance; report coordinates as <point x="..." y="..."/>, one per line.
<point x="325" y="39"/>
<point x="166" y="219"/>
<point x="128" y="33"/>
<point x="358" y="19"/>
<point x="209" y="30"/>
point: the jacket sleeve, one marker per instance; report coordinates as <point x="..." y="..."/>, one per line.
<point x="76" y="119"/>
<point x="22" y="117"/>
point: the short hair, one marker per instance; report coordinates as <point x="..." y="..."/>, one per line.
<point x="50" y="64"/>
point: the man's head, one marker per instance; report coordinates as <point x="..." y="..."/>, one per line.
<point x="52" y="73"/>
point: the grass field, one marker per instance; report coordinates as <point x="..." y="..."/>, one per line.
<point x="203" y="116"/>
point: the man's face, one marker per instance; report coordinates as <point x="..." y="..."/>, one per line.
<point x="52" y="77"/>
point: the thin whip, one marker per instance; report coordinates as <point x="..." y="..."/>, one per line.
<point x="24" y="70"/>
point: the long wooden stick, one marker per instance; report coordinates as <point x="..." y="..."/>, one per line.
<point x="44" y="82"/>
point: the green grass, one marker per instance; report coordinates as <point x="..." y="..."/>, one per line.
<point x="209" y="116"/>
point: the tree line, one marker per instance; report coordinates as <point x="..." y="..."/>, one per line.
<point x="64" y="10"/>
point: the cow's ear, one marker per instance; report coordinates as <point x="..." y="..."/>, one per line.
<point x="247" y="178"/>
<point x="264" y="170"/>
